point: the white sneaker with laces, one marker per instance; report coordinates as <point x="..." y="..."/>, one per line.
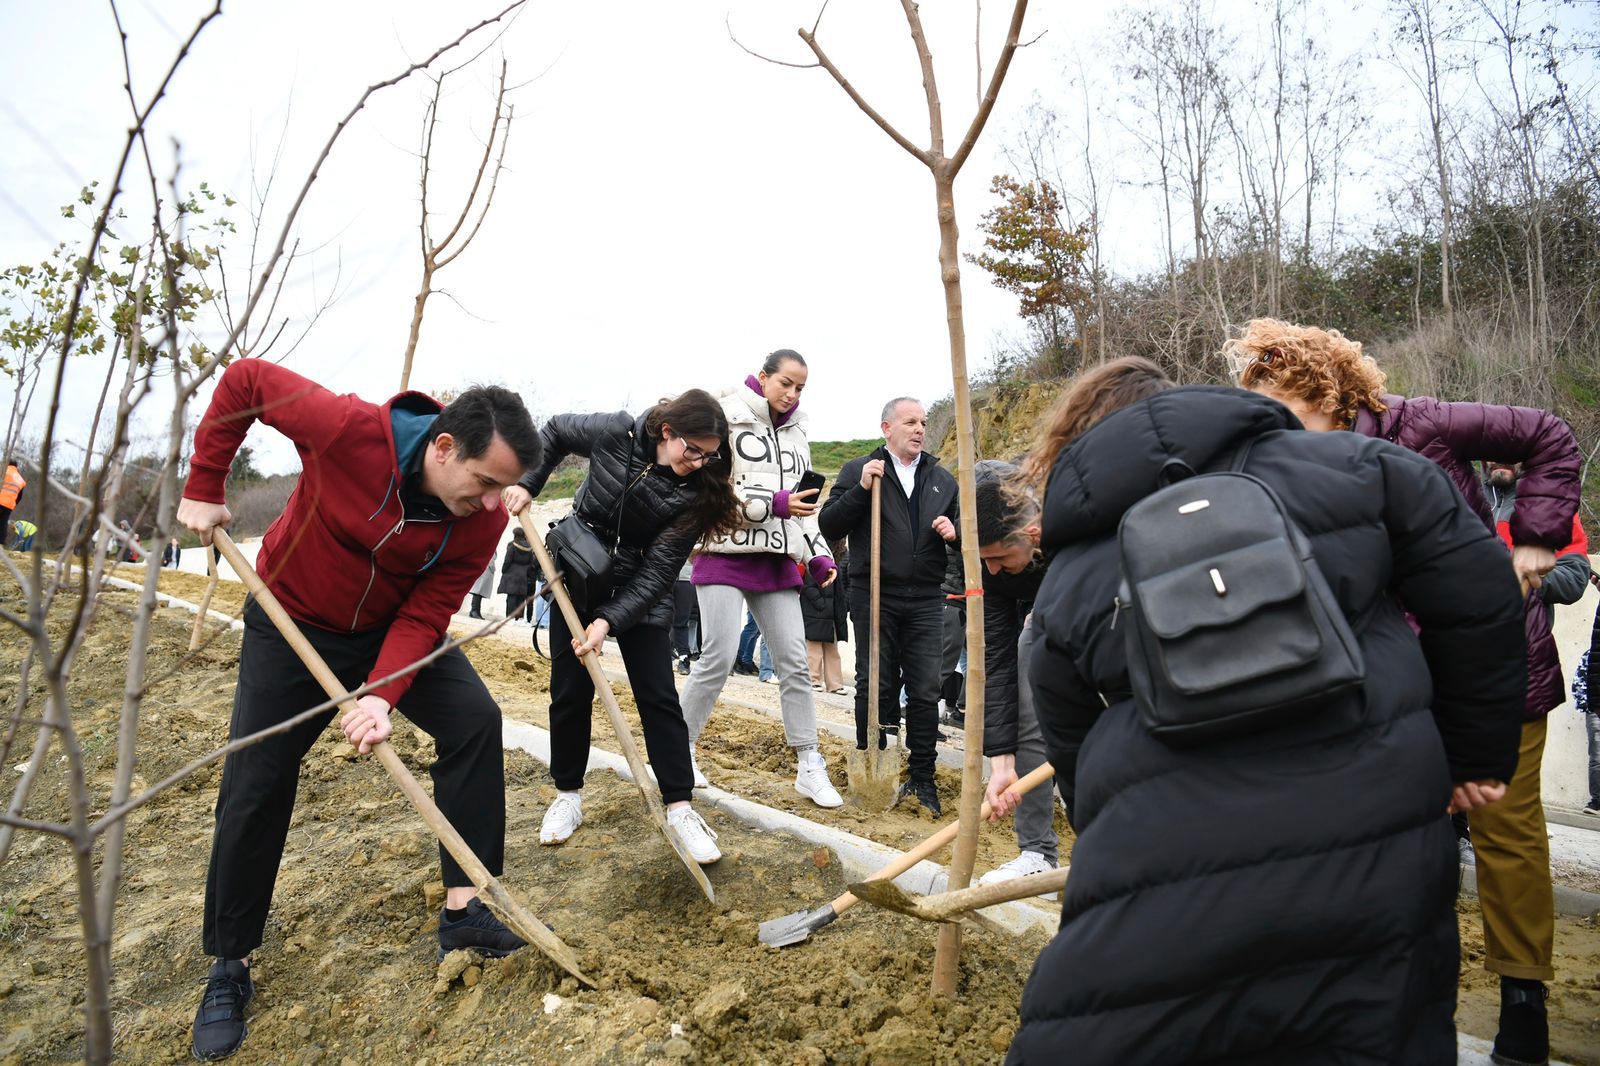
<point x="562" y="819"/>
<point x="812" y="781"/>
<point x="698" y="837"/>
<point x="699" y="778"/>
<point x="1029" y="862"/>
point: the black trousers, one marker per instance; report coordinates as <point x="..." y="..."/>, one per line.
<point x="952" y="683"/>
<point x="5" y="525"/>
<point x="528" y="604"/>
<point x="647" y="655"/>
<point x="685" y="617"/>
<point x="911" y="639"/>
<point x="448" y="701"/>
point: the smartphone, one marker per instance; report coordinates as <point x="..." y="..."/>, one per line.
<point x="812" y="480"/>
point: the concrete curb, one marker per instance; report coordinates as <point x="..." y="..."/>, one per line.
<point x="859" y="856"/>
<point x="173" y="601"/>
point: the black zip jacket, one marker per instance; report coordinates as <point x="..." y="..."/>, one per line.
<point x="913" y="558"/>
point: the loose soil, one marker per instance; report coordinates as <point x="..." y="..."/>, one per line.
<point x="348" y="970"/>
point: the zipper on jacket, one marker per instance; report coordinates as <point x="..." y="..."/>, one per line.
<point x="372" y="568"/>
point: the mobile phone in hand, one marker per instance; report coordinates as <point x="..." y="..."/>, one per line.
<point x="811" y="480"/>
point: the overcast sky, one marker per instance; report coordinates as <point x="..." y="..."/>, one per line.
<point x="672" y="209"/>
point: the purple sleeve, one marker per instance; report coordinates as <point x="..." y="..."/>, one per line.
<point x="780" y="503"/>
<point x="1547" y="494"/>
<point x="819" y="567"/>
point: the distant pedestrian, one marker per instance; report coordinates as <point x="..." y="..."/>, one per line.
<point x="25" y="531"/>
<point x="172" y="553"/>
<point x="827" y="615"/>
<point x="10" y="496"/>
<point x="516" y="578"/>
<point x="484" y="587"/>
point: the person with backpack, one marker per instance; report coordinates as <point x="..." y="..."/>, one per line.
<point x="758" y="564"/>
<point x="657" y="485"/>
<point x="516" y="578"/>
<point x="1263" y="871"/>
<point x="1326" y="380"/>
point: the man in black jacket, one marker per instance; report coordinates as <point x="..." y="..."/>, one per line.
<point x="919" y="504"/>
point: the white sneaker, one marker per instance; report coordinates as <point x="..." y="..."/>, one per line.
<point x="1029" y="862"/>
<point x="698" y="837"/>
<point x="812" y="781"/>
<point x="562" y="819"/>
<point x="699" y="778"/>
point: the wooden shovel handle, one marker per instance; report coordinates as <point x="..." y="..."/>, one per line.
<point x="875" y="585"/>
<point x="527" y="926"/>
<point x="894" y="869"/>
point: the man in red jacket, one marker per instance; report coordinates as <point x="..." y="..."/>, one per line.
<point x="393" y="518"/>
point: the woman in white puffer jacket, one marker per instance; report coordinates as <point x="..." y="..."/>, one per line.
<point x="759" y="564"/>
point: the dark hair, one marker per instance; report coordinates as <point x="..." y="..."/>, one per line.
<point x="1095" y="394"/>
<point x="696" y="413"/>
<point x="474" y="417"/>
<point x="1005" y="505"/>
<point x="779" y="357"/>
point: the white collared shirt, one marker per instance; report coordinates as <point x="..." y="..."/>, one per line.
<point x="906" y="472"/>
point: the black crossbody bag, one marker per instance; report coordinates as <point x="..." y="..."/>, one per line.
<point x="585" y="562"/>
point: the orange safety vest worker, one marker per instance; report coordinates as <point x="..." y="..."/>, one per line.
<point x="14" y="484"/>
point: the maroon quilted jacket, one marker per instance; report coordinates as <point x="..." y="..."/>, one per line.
<point x="1455" y="436"/>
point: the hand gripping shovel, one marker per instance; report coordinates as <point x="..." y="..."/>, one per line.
<point x="874" y="773"/>
<point x="796" y="928"/>
<point x="619" y="725"/>
<point x="501" y="902"/>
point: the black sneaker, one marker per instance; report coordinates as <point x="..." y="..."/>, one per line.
<point x="477" y="930"/>
<point x="683" y="665"/>
<point x="1524" y="1036"/>
<point x="747" y="669"/>
<point x="219" y="1026"/>
<point x="925" y="792"/>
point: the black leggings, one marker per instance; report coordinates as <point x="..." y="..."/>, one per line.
<point x="448" y="701"/>
<point x="646" y="653"/>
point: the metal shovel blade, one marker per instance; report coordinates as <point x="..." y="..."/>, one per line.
<point x="873" y="776"/>
<point x="795" y="928"/>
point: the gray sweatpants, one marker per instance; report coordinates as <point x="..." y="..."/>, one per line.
<point x="1035" y="816"/>
<point x="784" y="629"/>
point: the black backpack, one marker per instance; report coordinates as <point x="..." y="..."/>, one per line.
<point x="1230" y="625"/>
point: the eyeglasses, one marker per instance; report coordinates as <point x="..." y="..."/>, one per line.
<point x="698" y="455"/>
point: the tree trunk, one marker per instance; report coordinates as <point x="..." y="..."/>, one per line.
<point x="966" y="846"/>
<point x="417" y="308"/>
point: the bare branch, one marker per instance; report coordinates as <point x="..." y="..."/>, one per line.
<point x="727" y="22"/>
<point x="999" y="76"/>
<point x="850" y="90"/>
<point x="930" y="86"/>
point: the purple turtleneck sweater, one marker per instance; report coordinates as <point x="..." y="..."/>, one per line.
<point x="759" y="571"/>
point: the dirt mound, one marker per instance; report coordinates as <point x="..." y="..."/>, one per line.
<point x="348" y="970"/>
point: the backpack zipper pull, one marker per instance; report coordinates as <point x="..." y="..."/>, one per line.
<point x="1116" y="609"/>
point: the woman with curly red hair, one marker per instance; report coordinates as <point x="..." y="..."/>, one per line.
<point x="1323" y="377"/>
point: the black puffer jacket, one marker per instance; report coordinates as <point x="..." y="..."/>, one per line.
<point x="518" y="572"/>
<point x="913" y="558"/>
<point x="827" y="610"/>
<point x="657" y="532"/>
<point x="1286" y="896"/>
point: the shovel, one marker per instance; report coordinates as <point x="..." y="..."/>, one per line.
<point x="961" y="903"/>
<point x="796" y="928"/>
<point x="205" y="603"/>
<point x="498" y="900"/>
<point x="619" y="725"/>
<point x="874" y="773"/>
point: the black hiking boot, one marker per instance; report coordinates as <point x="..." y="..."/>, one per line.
<point x="219" y="1026"/>
<point x="476" y="930"/>
<point x="925" y="792"/>
<point x="1524" y="1036"/>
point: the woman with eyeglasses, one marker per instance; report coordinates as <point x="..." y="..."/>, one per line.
<point x="758" y="563"/>
<point x="1323" y="377"/>
<point x="657" y="485"/>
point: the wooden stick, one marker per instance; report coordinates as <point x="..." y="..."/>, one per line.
<point x="205" y="602"/>
<point x="875" y="664"/>
<point x="495" y="896"/>
<point x="1038" y="776"/>
<point x="619" y="724"/>
<point x="947" y="905"/>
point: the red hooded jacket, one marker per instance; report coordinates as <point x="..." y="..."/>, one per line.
<point x="344" y="555"/>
